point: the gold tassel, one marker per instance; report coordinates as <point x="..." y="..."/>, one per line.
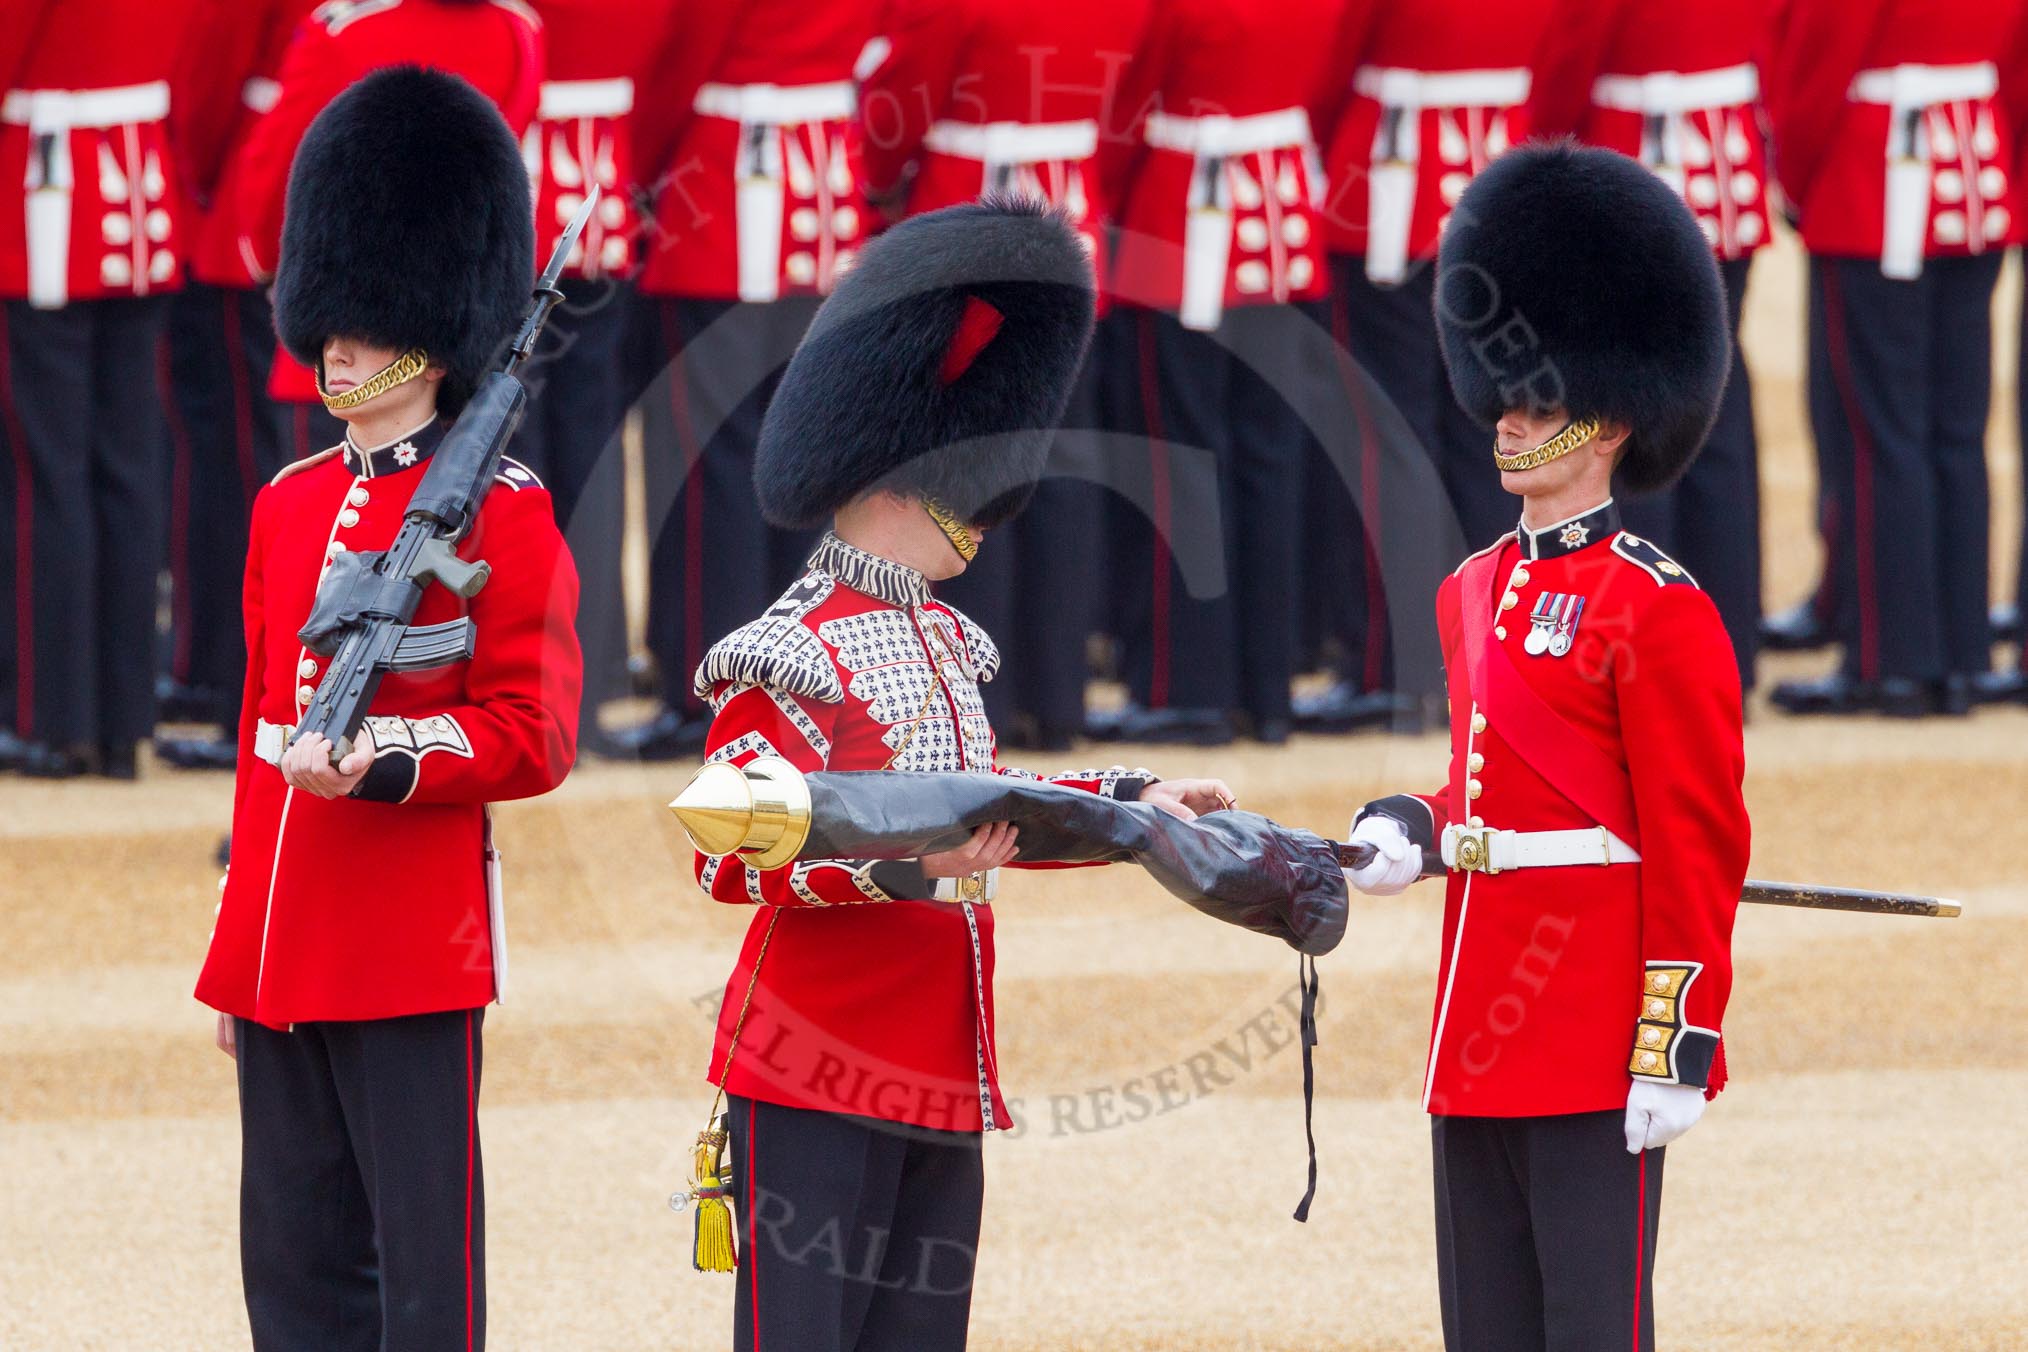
<point x="712" y="1250"/>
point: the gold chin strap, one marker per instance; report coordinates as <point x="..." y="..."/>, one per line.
<point x="953" y="529"/>
<point x="1558" y="446"/>
<point x="400" y="371"/>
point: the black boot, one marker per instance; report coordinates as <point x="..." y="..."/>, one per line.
<point x="1180" y="727"/>
<point x="1794" y="630"/>
<point x="197" y="753"/>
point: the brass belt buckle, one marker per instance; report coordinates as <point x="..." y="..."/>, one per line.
<point x="972" y="887"/>
<point x="1474" y="850"/>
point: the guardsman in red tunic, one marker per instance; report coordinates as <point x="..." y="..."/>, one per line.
<point x="1424" y="95"/>
<point x="1678" y="87"/>
<point x="359" y="938"/>
<point x="856" y="1039"/>
<point x="496" y="45"/>
<point x="1898" y="159"/>
<point x="1214" y="169"/>
<point x="1592" y="821"/>
<point x="597" y="63"/>
<point x="747" y="141"/>
<point x="93" y="233"/>
<point x="225" y="433"/>
<point x="977" y="96"/>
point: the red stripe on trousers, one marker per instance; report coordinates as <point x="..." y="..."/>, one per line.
<point x="1158" y="464"/>
<point x="691" y="481"/>
<point x="242" y="395"/>
<point x="471" y="1153"/>
<point x="752" y="1267"/>
<point x="1862" y="477"/>
<point x="179" y="513"/>
<point x="1369" y="494"/>
<point x="1640" y="1248"/>
<point x="24" y="543"/>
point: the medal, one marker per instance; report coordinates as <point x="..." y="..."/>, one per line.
<point x="1566" y="626"/>
<point x="1552" y="625"/>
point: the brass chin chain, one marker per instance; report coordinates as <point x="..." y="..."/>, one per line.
<point x="400" y="371"/>
<point x="953" y="529"/>
<point x="1558" y="446"/>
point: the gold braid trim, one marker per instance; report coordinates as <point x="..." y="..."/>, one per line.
<point x="400" y="371"/>
<point x="1558" y="446"/>
<point x="953" y="529"/>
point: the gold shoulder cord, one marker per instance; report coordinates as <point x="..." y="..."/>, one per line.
<point x="400" y="371"/>
<point x="1558" y="446"/>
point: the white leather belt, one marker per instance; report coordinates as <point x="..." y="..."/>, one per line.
<point x="1915" y="86"/>
<point x="972" y="887"/>
<point x="1481" y="849"/>
<point x="566" y="100"/>
<point x="271" y="740"/>
<point x="1399" y="88"/>
<point x="259" y="94"/>
<point x="1014" y="142"/>
<point x="778" y="105"/>
<point x="1670" y="91"/>
<point x="58" y="109"/>
<point x="1217" y="134"/>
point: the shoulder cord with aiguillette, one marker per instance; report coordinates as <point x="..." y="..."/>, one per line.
<point x="712" y="1248"/>
<point x="400" y="371"/>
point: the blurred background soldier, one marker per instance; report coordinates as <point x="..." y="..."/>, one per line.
<point x="225" y="433"/>
<point x="1437" y="89"/>
<point x="91" y="247"/>
<point x="2013" y="684"/>
<point x="1676" y="87"/>
<point x="748" y="140"/>
<point x="597" y="54"/>
<point x="1218" y="186"/>
<point x="980" y="96"/>
<point x="1898" y="160"/>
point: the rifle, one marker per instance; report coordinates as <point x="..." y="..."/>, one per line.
<point x="361" y="619"/>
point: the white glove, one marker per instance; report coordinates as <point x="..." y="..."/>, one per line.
<point x="1658" y="1113"/>
<point x="1397" y="860"/>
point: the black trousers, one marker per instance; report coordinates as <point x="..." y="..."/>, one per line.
<point x="226" y="441"/>
<point x="2021" y="409"/>
<point x="1035" y="584"/>
<point x="362" y="1215"/>
<point x="854" y="1235"/>
<point x="82" y="429"/>
<point x="1207" y="530"/>
<point x="570" y="437"/>
<point x="1545" y="1233"/>
<point x="1900" y="382"/>
<point x="1710" y="519"/>
<point x="715" y="563"/>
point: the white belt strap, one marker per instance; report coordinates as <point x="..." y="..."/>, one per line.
<point x="1013" y="142"/>
<point x="973" y="887"/>
<point x="1480" y="849"/>
<point x="1397" y="88"/>
<point x="1916" y="86"/>
<point x="271" y="740"/>
<point x="778" y="105"/>
<point x="1669" y="91"/>
<point x="46" y="110"/>
<point x="567" y="100"/>
<point x="1218" y="134"/>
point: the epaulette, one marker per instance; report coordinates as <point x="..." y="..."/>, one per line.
<point x="979" y="645"/>
<point x="337" y="15"/>
<point x="516" y="475"/>
<point x="1659" y="566"/>
<point x="1477" y="552"/>
<point x="777" y="650"/>
<point x="307" y="462"/>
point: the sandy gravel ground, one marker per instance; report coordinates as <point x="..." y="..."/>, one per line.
<point x="1858" y="1188"/>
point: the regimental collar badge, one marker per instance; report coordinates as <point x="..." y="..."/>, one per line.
<point x="405" y="455"/>
<point x="403" y="452"/>
<point x="1569" y="536"/>
<point x="1552" y="625"/>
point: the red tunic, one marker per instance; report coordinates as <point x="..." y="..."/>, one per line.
<point x="376" y="906"/>
<point x="1214" y="165"/>
<point x="1437" y="89"/>
<point x="1890" y="136"/>
<point x="871" y="1000"/>
<point x="752" y="136"/>
<point x="976" y="96"/>
<point x="1677" y="87"/>
<point x="1544" y="989"/>
<point x="91" y="193"/>
<point x="583" y="133"/>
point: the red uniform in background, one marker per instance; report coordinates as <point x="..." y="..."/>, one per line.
<point x="240" y="90"/>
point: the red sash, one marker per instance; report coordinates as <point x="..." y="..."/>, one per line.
<point x="1569" y="760"/>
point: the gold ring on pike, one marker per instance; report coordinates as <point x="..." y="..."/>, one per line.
<point x="1563" y="443"/>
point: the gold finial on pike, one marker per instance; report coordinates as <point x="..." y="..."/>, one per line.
<point x="759" y="811"/>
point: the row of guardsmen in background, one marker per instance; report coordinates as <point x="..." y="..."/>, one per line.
<point x="1262" y="184"/>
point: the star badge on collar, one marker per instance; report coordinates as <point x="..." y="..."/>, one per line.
<point x="405" y="454"/>
<point x="1574" y="535"/>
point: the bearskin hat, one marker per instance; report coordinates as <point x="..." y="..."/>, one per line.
<point x="1576" y="278"/>
<point x="938" y="368"/>
<point x="408" y="223"/>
